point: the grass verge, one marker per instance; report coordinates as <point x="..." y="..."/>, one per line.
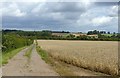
<point x="29" y="51"/>
<point x="9" y="55"/>
<point x="58" y="66"/>
<point x="42" y="53"/>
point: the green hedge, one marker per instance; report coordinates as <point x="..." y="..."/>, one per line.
<point x="14" y="41"/>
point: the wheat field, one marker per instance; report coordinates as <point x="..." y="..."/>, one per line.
<point x="100" y="56"/>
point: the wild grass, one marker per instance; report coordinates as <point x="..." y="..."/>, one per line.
<point x="9" y="55"/>
<point x="42" y="53"/>
<point x="100" y="56"/>
<point x="58" y="66"/>
<point x="29" y="51"/>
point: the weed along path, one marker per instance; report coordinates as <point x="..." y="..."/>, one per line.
<point x="27" y="64"/>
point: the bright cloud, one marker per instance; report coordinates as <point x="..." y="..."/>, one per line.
<point x="12" y="10"/>
<point x="101" y="20"/>
<point x="114" y="11"/>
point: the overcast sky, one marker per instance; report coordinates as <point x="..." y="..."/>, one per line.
<point x="67" y="16"/>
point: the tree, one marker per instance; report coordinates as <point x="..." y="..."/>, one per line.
<point x="108" y="32"/>
<point x="93" y="32"/>
<point x="102" y="32"/>
<point x="89" y="33"/>
<point x="114" y="33"/>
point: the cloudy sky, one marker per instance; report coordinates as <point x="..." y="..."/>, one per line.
<point x="67" y="16"/>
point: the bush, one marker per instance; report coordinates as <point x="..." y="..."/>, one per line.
<point x="13" y="41"/>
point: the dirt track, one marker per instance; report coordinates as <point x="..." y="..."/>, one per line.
<point x="20" y="65"/>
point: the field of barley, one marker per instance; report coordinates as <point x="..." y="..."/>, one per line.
<point x="100" y="56"/>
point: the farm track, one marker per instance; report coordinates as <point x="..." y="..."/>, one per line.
<point x="20" y="65"/>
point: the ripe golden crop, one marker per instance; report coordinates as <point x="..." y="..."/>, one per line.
<point x="101" y="56"/>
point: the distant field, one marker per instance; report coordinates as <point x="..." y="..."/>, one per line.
<point x="98" y="56"/>
<point x="107" y="35"/>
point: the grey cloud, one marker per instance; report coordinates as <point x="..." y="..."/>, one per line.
<point x="68" y="7"/>
<point x="102" y="4"/>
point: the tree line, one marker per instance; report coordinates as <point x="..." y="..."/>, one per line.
<point x="12" y="39"/>
<point x="99" y="32"/>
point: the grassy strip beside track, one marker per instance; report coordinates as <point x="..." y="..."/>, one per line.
<point x="29" y="51"/>
<point x="9" y="55"/>
<point x="60" y="67"/>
